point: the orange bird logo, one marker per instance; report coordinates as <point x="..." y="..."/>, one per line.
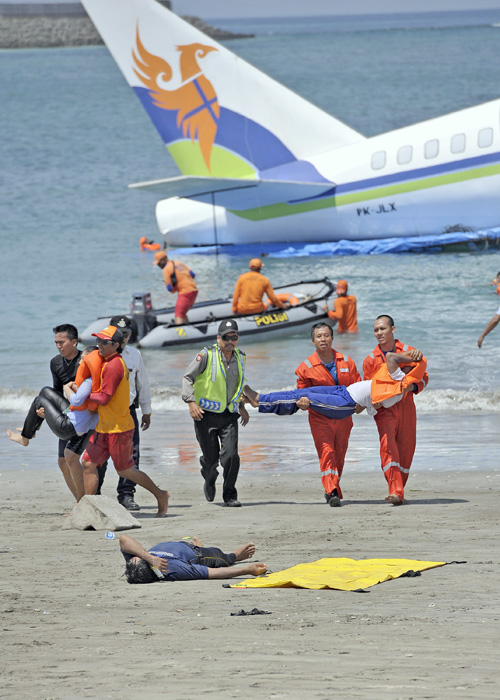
<point x="194" y="101"/>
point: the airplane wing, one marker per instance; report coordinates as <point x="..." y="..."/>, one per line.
<point x="237" y="193"/>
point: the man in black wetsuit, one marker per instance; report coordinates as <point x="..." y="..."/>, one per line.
<point x="63" y="367"/>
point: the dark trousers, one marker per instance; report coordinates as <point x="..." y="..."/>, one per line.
<point x="217" y="435"/>
<point x="213" y="557"/>
<point x="125" y="486"/>
<point x="54" y="405"/>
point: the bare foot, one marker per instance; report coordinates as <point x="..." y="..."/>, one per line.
<point x="18" y="438"/>
<point x="251" y="395"/>
<point x="196" y="541"/>
<point x="162" y="504"/>
<point x="245" y="552"/>
<point x="257" y="569"/>
<point x="394" y="499"/>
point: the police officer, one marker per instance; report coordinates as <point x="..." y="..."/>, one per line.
<point x="212" y="389"/>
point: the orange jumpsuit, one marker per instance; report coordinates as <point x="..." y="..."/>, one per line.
<point x="248" y="292"/>
<point x="397" y="426"/>
<point x="331" y="437"/>
<point x="185" y="282"/>
<point x="185" y="287"/>
<point x="345" y="312"/>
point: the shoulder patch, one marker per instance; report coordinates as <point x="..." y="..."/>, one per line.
<point x="199" y="357"/>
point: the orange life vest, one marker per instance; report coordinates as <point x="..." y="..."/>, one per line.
<point x="384" y="387"/>
<point x="148" y="245"/>
<point x="90" y="366"/>
<point x="284" y="297"/>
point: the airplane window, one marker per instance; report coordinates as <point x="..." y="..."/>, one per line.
<point x="431" y="148"/>
<point x="405" y="154"/>
<point x="485" y="138"/>
<point x="378" y="160"/>
<point x="458" y="143"/>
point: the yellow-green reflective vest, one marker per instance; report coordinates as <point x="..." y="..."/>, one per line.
<point x="210" y="388"/>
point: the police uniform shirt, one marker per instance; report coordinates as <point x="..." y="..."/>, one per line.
<point x="138" y="379"/>
<point x="198" y="366"/>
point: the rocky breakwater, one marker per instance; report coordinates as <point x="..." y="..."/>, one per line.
<point x="48" y="32"/>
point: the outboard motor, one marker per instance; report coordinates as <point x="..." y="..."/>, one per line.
<point x="143" y="318"/>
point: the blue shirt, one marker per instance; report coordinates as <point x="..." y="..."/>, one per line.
<point x="83" y="421"/>
<point x="181" y="559"/>
<point x="332" y="368"/>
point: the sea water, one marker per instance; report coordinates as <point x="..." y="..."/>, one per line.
<point x="74" y="136"/>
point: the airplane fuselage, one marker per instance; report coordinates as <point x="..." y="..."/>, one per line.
<point x="418" y="180"/>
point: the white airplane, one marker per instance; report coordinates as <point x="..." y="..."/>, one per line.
<point x="261" y="164"/>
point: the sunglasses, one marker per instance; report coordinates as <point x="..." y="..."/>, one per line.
<point x="101" y="341"/>
<point x="230" y="338"/>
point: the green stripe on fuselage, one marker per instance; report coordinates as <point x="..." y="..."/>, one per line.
<point x="223" y="163"/>
<point x="273" y="211"/>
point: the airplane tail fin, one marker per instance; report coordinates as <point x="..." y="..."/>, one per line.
<point x="218" y="115"/>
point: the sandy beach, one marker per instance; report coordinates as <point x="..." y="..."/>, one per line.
<point x="72" y="627"/>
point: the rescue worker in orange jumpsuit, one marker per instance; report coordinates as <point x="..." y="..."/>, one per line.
<point x="344" y="310"/>
<point x="178" y="278"/>
<point x="250" y="289"/>
<point x="327" y="367"/>
<point x="397" y="425"/>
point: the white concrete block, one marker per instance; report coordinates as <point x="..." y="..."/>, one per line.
<point x="99" y="513"/>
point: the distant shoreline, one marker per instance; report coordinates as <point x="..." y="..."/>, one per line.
<point x="51" y="32"/>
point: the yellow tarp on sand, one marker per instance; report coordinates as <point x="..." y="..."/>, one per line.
<point x="340" y="573"/>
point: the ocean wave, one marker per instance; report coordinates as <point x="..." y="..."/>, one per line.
<point x="458" y="400"/>
<point x="165" y="399"/>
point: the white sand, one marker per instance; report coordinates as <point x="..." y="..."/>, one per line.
<point x="73" y="628"/>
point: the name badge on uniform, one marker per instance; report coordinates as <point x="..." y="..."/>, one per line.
<point x="344" y="369"/>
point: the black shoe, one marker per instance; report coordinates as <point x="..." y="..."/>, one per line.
<point x="129" y="503"/>
<point x="233" y="503"/>
<point x="333" y="499"/>
<point x="209" y="491"/>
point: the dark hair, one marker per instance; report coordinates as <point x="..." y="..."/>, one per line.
<point x="389" y="318"/>
<point x="320" y="324"/>
<point x="67" y="328"/>
<point x="88" y="349"/>
<point x="140" y="572"/>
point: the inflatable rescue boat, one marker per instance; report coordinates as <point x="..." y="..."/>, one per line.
<point x="155" y="328"/>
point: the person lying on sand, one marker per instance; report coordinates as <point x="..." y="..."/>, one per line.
<point x="184" y="561"/>
<point x="387" y="387"/>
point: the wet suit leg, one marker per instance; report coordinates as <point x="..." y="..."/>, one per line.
<point x="54" y="405"/>
<point x="213" y="557"/>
